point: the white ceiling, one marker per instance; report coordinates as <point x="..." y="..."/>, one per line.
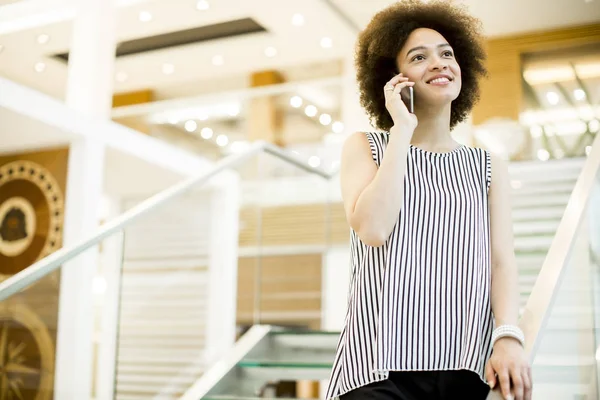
<point x="296" y="46"/>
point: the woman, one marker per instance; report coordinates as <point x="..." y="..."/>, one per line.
<point x="433" y="304"/>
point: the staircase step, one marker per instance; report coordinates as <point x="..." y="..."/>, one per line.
<point x="553" y="213"/>
<point x="529" y="228"/>
<point x="548" y="391"/>
<point x="543" y="200"/>
<point x="265" y="371"/>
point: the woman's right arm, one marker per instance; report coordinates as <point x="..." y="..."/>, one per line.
<point x="373" y="196"/>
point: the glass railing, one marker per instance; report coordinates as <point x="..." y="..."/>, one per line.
<point x="559" y="317"/>
<point x="181" y="276"/>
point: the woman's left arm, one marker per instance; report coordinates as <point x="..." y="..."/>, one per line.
<point x="508" y="365"/>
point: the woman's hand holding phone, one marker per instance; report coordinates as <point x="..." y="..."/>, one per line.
<point x="395" y="104"/>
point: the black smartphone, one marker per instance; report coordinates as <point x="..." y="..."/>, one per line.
<point x="409" y="100"/>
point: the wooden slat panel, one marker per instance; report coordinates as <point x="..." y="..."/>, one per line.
<point x="294" y="225"/>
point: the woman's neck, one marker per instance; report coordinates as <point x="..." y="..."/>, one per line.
<point x="433" y="131"/>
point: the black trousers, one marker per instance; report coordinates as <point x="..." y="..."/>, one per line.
<point x="424" y="385"/>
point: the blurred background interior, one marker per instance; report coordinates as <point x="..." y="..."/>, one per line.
<point x="184" y="156"/>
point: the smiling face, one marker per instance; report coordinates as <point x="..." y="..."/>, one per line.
<point x="428" y="60"/>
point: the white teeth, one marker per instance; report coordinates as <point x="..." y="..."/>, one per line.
<point x="440" y="80"/>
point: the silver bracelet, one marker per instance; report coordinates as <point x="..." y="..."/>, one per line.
<point x="508" y="331"/>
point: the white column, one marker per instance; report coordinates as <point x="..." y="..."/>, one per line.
<point x="89" y="91"/>
<point x="223" y="259"/>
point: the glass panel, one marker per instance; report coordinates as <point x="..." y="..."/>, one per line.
<point x="29" y="320"/>
<point x="247" y="236"/>
<point x="565" y="365"/>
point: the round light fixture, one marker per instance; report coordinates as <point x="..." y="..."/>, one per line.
<point x="145" y="16"/>
<point x="298" y="20"/>
<point x="270" y="51"/>
<point x="206" y="133"/>
<point x="326" y="43"/>
<point x="168" y="68"/>
<point x="314" y="161"/>
<point x="325" y="119"/>
<point x="310" y="110"/>
<point x="191" y="126"/>
<point x="337" y="127"/>
<point x="222" y="140"/>
<point x="296" y="101"/>
<point x="202" y="5"/>
<point x="218" y="60"/>
<point x="43" y="38"/>
<point x="39" y="67"/>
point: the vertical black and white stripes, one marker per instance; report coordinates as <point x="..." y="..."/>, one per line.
<point x="422" y="301"/>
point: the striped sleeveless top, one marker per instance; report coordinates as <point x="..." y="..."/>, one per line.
<point x="422" y="300"/>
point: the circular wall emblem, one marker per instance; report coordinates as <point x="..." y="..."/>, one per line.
<point x="31" y="206"/>
<point x="26" y="354"/>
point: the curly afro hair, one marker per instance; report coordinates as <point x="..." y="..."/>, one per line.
<point x="381" y="41"/>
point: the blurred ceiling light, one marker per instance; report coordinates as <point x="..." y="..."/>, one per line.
<point x="218" y="60"/>
<point x="579" y="94"/>
<point x="233" y="111"/>
<point x="314" y="161"/>
<point x="145" y="16"/>
<point x="121" y="76"/>
<point x="543" y="155"/>
<point x="325" y="119"/>
<point x="310" y="110"/>
<point x="206" y="133"/>
<point x="594" y="126"/>
<point x="168" y="69"/>
<point x="222" y="140"/>
<point x="191" y="126"/>
<point x="553" y="98"/>
<point x="270" y="51"/>
<point x="516" y="184"/>
<point x="326" y="43"/>
<point x="296" y="101"/>
<point x="202" y="5"/>
<point x="298" y="20"/>
<point x="43" y="38"/>
<point x="536" y="131"/>
<point x="337" y="127"/>
<point x="588" y="150"/>
<point x="39" y="67"/>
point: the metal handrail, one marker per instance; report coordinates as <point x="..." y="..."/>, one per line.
<point x="43" y="267"/>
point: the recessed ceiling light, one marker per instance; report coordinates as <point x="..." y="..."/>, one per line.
<point x="594" y="126"/>
<point x="222" y="140"/>
<point x="325" y="119"/>
<point x="588" y="150"/>
<point x="43" y="38"/>
<point x="311" y="111"/>
<point x="202" y="5"/>
<point x="206" y="133"/>
<point x="233" y="111"/>
<point x="543" y="155"/>
<point x="168" y="69"/>
<point x="121" y="76"/>
<point x="39" y="67"/>
<point x="553" y="98"/>
<point x="579" y="94"/>
<point x="298" y="20"/>
<point x="296" y="101"/>
<point x="326" y="43"/>
<point x="314" y="161"/>
<point x="218" y="60"/>
<point x="270" y="51"/>
<point x="337" y="127"/>
<point x="191" y="126"/>
<point x="145" y="16"/>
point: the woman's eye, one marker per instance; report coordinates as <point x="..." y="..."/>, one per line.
<point x="448" y="53"/>
<point x="419" y="58"/>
